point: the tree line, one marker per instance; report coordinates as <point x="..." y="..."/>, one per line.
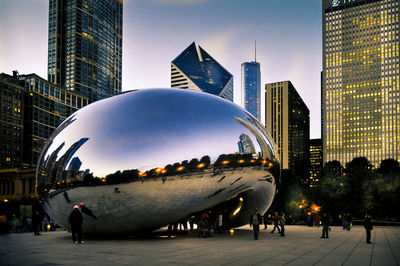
<point x="356" y="188"/>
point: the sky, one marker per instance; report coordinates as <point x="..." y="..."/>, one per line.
<point x="288" y="34"/>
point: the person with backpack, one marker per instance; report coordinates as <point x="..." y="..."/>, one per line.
<point x="255" y="221"/>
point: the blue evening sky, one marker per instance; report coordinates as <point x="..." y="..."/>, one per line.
<point x="288" y="34"/>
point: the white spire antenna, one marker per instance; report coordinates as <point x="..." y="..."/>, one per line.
<point x="255" y="50"/>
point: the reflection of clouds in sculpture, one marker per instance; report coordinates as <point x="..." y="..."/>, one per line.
<point x="138" y="141"/>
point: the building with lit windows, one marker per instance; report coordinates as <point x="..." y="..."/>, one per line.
<point x="46" y="107"/>
<point x="85" y="46"/>
<point x="195" y="69"/>
<point x="360" y="85"/>
<point x="11" y="121"/>
<point x="31" y="109"/>
<point x="251" y="88"/>
<point x="287" y="118"/>
<point x="315" y="162"/>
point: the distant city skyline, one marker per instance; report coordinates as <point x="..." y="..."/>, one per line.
<point x="288" y="41"/>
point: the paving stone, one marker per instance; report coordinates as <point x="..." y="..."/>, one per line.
<point x="301" y="246"/>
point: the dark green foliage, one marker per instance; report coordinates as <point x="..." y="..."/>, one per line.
<point x="358" y="187"/>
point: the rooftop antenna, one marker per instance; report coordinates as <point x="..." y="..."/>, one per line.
<point x="255" y="50"/>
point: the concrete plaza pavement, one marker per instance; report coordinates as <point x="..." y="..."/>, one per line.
<point x="301" y="246"/>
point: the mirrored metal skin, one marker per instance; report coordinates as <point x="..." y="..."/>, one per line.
<point x="144" y="159"/>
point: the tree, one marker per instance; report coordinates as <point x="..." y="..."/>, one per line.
<point x="332" y="189"/>
<point x="357" y="172"/>
<point x="389" y="166"/>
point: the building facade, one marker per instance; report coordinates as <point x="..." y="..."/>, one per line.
<point x="85" y="46"/>
<point x="11" y="121"/>
<point x="195" y="69"/>
<point x="287" y="118"/>
<point x="360" y="85"/>
<point x="315" y="162"/>
<point x="46" y="107"/>
<point x="251" y="88"/>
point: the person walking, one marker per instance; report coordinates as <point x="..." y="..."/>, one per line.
<point x="75" y="219"/>
<point x="282" y="221"/>
<point x="255" y="221"/>
<point x="368" y="227"/>
<point x="276" y="223"/>
<point x="325" y="226"/>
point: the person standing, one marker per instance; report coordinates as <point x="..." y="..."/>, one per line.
<point x="255" y="221"/>
<point x="282" y="222"/>
<point x="220" y="223"/>
<point x="368" y="227"/>
<point x="265" y="220"/>
<point x="348" y="221"/>
<point x="36" y="221"/>
<point x="276" y="223"/>
<point x="325" y="226"/>
<point x="75" y="219"/>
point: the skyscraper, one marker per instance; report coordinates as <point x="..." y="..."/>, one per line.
<point x="287" y="118"/>
<point x="195" y="69"/>
<point x="46" y="107"/>
<point x="251" y="88"/>
<point x="85" y="46"/>
<point x="11" y="120"/>
<point x="315" y="162"/>
<point x="360" y="85"/>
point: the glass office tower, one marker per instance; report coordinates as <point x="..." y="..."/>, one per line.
<point x="195" y="69"/>
<point x="287" y="117"/>
<point x="251" y="88"/>
<point x="85" y="46"/>
<point x="360" y="84"/>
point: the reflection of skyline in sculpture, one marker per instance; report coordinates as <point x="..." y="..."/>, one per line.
<point x="266" y="150"/>
<point x="151" y="168"/>
<point x="245" y="144"/>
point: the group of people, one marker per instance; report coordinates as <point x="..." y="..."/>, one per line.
<point x="256" y="220"/>
<point x="279" y="223"/>
<point x="35" y="223"/>
<point x="207" y="222"/>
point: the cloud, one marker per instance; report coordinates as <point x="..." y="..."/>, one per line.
<point x="220" y="44"/>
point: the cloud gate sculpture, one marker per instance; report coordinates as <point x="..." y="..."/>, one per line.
<point x="144" y="159"/>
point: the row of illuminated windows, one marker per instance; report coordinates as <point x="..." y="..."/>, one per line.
<point x="55" y="93"/>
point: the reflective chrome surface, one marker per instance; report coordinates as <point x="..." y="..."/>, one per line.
<point x="147" y="158"/>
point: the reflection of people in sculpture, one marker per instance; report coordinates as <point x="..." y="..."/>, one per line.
<point x="75" y="219"/>
<point x="87" y="211"/>
<point x="66" y="197"/>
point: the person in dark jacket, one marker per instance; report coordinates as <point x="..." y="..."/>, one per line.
<point x="36" y="220"/>
<point x="265" y="220"/>
<point x="75" y="219"/>
<point x="255" y="221"/>
<point x="282" y="222"/>
<point x="368" y="227"/>
<point x="325" y="226"/>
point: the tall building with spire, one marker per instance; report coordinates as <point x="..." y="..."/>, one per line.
<point x="195" y="69"/>
<point x="85" y="46"/>
<point x="251" y="87"/>
<point x="360" y="81"/>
